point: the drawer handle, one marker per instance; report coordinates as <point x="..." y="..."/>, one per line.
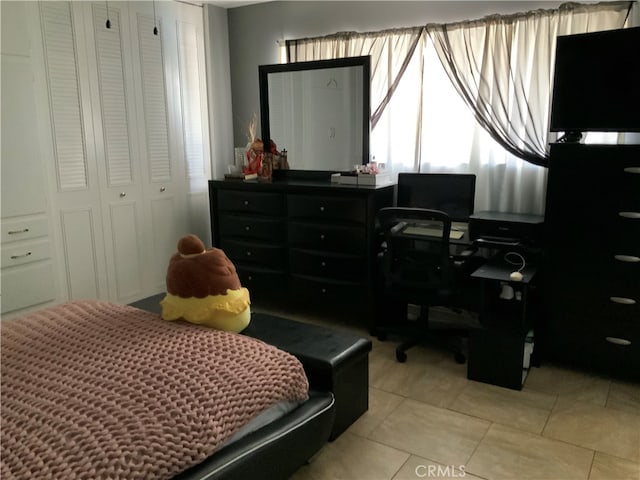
<point x="248" y="253"/>
<point x="623" y="300"/>
<point x="163" y="189"/>
<point x="15" y="257"/>
<point x="323" y="264"/>
<point x="627" y="258"/>
<point x="247" y="228"/>
<point x="618" y="341"/>
<point x="322" y="209"/>
<point x="632" y="170"/>
<point x="249" y="278"/>
<point x="246" y="202"/>
<point x="123" y="194"/>
<point x="632" y="215"/>
<point x="323" y="290"/>
<point x="322" y="236"/>
<point x="17" y="232"/>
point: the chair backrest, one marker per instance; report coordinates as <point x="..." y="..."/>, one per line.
<point x="416" y="262"/>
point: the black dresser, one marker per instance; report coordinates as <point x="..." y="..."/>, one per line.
<point x="306" y="241"/>
<point x="592" y="265"/>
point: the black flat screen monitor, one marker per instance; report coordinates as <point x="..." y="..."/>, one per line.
<point x="453" y="193"/>
<point x="596" y="82"/>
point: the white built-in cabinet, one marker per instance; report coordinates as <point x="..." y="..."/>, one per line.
<point x="28" y="268"/>
<point x="123" y="122"/>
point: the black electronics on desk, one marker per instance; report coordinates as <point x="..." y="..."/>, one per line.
<point x="505" y="230"/>
<point x="452" y="193"/>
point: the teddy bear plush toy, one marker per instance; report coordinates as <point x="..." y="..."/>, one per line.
<point x="203" y="287"/>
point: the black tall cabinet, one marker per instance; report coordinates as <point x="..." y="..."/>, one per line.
<point x="592" y="274"/>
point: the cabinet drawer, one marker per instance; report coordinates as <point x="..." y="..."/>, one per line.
<point x="620" y="185"/>
<point x="624" y="235"/>
<point x="326" y="265"/>
<point x="327" y="208"/>
<point x="251" y="202"/>
<point x="24" y="229"/>
<point x="26" y="252"/>
<point x="254" y="253"/>
<point x="27" y="286"/>
<point x="624" y="269"/>
<point x="621" y="311"/>
<point x="616" y="351"/>
<point x="327" y="237"/>
<point x="259" y="228"/>
<point x="333" y="292"/>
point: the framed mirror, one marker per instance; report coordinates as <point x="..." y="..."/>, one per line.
<point x="319" y="112"/>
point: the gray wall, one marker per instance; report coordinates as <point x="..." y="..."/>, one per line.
<point x="255" y="30"/>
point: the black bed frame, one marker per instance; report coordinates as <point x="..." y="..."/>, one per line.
<point x="274" y="451"/>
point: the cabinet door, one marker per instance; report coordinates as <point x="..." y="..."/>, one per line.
<point x="75" y="185"/>
<point x="163" y="167"/>
<point x="22" y="167"/>
<point x="117" y="149"/>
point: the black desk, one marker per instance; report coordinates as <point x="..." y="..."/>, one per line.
<point x="500" y="350"/>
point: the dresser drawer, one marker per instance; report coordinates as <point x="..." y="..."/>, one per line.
<point x="333" y="292"/>
<point x="326" y="265"/>
<point x="25" y="252"/>
<point x="16" y="230"/>
<point x="327" y="208"/>
<point x="621" y="310"/>
<point x="621" y="186"/>
<point x="252" y="227"/>
<point x="254" y="253"/>
<point x="27" y="285"/>
<point x="251" y="202"/>
<point x="261" y="280"/>
<point x="624" y="232"/>
<point x="616" y="350"/>
<point x="624" y="269"/>
<point x="327" y="237"/>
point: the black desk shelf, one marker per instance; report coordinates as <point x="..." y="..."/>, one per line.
<point x="499" y="350"/>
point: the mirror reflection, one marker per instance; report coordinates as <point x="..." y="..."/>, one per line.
<point x="318" y="112"/>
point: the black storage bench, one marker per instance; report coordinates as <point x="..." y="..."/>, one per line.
<point x="334" y="361"/>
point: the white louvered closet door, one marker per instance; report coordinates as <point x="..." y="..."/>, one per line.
<point x="129" y="137"/>
<point x="163" y="171"/>
<point x="76" y="198"/>
<point x="117" y="149"/>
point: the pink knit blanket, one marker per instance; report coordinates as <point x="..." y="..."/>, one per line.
<point x="96" y="390"/>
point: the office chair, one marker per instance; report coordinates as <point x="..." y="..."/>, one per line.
<point x="415" y="267"/>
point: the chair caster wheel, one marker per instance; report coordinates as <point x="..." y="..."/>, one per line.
<point x="401" y="356"/>
<point x="460" y="358"/>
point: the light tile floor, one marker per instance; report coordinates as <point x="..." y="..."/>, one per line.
<point x="426" y="420"/>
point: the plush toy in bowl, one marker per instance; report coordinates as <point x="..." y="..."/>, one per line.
<point x="203" y="287"/>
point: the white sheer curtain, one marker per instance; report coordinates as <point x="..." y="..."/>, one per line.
<point x="504" y="64"/>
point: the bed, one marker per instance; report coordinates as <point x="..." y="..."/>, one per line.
<point x="97" y="390"/>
